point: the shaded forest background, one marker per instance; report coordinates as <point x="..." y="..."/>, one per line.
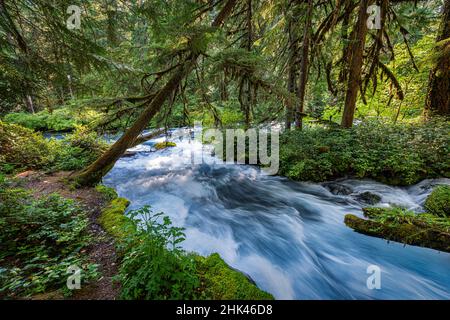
<point x="269" y="60"/>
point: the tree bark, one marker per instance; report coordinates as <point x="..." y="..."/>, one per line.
<point x="438" y="96"/>
<point x="95" y="172"/>
<point x="355" y="65"/>
<point x="304" y="67"/>
<point x="291" y="15"/>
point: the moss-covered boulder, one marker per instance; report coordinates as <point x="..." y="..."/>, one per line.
<point x="438" y="202"/>
<point x="113" y="219"/>
<point x="164" y="145"/>
<point x="404" y="226"/>
<point x="221" y="282"/>
<point x="368" y="197"/>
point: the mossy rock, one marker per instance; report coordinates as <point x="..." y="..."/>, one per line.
<point x="108" y="193"/>
<point x="164" y="145"/>
<point x="221" y="282"/>
<point x="438" y="202"/>
<point x="403" y="226"/>
<point x="113" y="219"/>
<point x="368" y="197"/>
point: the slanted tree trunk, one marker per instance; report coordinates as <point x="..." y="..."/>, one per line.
<point x="94" y="173"/>
<point x="304" y="67"/>
<point x="438" y="96"/>
<point x="355" y="64"/>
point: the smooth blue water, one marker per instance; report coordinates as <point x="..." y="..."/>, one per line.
<point x="289" y="237"/>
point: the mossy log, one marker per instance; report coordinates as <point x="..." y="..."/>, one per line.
<point x="407" y="233"/>
<point x="164" y="145"/>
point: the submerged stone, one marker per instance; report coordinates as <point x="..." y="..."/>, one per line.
<point x="368" y="197"/>
<point x="338" y="189"/>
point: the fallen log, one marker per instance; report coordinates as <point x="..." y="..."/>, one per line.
<point x="145" y="137"/>
<point x="407" y="233"/>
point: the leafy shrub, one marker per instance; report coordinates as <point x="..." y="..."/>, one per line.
<point x="58" y="120"/>
<point x="154" y="266"/>
<point x="77" y="150"/>
<point x="40" y="239"/>
<point x="438" y="202"/>
<point x="395" y="154"/>
<point x="66" y="118"/>
<point x="22" y="148"/>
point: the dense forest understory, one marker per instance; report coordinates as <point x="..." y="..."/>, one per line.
<point x="358" y="90"/>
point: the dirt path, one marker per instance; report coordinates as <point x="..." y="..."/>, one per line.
<point x="102" y="250"/>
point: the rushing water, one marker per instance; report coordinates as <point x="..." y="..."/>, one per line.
<point x="289" y="237"/>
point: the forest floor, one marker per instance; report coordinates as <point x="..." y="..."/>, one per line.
<point x="101" y="250"/>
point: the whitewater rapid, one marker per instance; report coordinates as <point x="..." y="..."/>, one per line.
<point x="289" y="237"/>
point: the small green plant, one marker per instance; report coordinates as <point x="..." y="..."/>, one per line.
<point x="154" y="266"/>
<point x="76" y="150"/>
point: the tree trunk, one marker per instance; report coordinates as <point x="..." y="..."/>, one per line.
<point x="292" y="63"/>
<point x="29" y="103"/>
<point x="291" y="89"/>
<point x="94" y="173"/>
<point x="246" y="91"/>
<point x="438" y="96"/>
<point x="355" y="65"/>
<point x="304" y="67"/>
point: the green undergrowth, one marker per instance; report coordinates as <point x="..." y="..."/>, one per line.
<point x="61" y="119"/>
<point x="154" y="266"/>
<point x="23" y="149"/>
<point x="40" y="239"/>
<point x="399" y="154"/>
<point x="438" y="202"/>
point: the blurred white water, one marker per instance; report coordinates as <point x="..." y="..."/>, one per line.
<point x="288" y="236"/>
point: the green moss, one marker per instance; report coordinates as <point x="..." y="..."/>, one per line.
<point x="165" y="144"/>
<point x="425" y="230"/>
<point x="438" y="202"/>
<point x="113" y="219"/>
<point x="107" y="192"/>
<point x="220" y="282"/>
